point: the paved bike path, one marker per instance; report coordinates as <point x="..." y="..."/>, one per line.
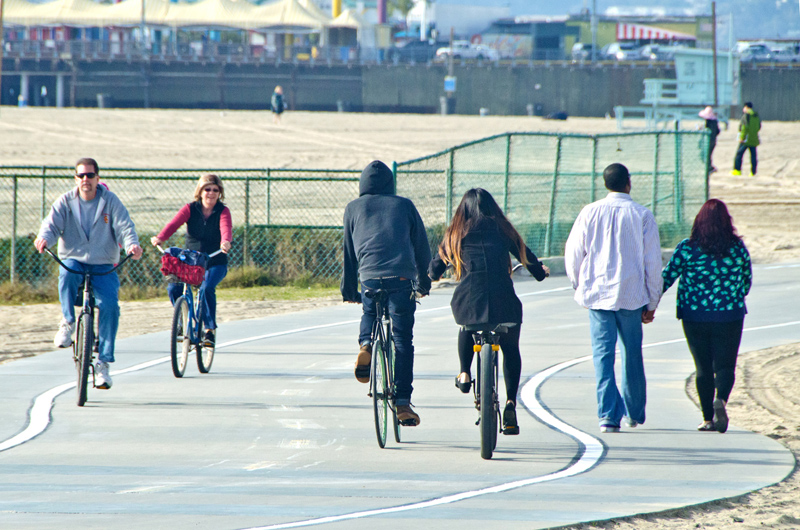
<point x="280" y="433"/>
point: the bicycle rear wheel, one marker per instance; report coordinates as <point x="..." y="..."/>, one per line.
<point x="380" y="386"/>
<point x="181" y="344"/>
<point x="82" y="353"/>
<point x="205" y="356"/>
<point x="488" y="402"/>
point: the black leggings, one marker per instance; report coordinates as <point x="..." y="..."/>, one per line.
<point x="512" y="361"/>
<point x="714" y="346"/>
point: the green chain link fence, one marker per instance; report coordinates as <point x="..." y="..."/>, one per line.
<point x="289" y="221"/>
<point x="542" y="180"/>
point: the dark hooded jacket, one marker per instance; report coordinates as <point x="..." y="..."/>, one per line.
<point x="384" y="236"/>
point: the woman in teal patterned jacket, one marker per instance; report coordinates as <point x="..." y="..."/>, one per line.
<point x="715" y="272"/>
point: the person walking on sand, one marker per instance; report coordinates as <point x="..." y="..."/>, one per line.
<point x="386" y="247"/>
<point x="715" y="276"/>
<point x="613" y="259"/>
<point x="276" y="104"/>
<point x="712" y="124"/>
<point x="749" y="126"/>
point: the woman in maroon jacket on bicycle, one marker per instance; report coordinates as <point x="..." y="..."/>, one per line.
<point x="208" y="228"/>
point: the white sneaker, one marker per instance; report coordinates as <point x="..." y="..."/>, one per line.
<point x="63" y="338"/>
<point x="101" y="377"/>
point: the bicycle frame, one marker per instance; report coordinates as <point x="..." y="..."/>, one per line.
<point x="195" y="317"/>
<point x="382" y="331"/>
<point x="86" y="332"/>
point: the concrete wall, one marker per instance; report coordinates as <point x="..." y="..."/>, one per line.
<point x="580" y="90"/>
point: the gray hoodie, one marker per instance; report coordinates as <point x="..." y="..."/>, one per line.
<point x="111" y="228"/>
<point x="384" y="235"/>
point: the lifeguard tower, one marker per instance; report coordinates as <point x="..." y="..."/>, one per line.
<point x="668" y="102"/>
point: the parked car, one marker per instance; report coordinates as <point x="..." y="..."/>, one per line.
<point x="418" y="51"/>
<point x="656" y="52"/>
<point x="787" y="55"/>
<point x="463" y="49"/>
<point x="619" y="51"/>
<point x="756" y="53"/>
<point x="581" y="51"/>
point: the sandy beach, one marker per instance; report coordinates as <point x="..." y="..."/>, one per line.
<point x="765" y="209"/>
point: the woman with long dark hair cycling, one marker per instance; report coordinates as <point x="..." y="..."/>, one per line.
<point x="715" y="271"/>
<point x="478" y="245"/>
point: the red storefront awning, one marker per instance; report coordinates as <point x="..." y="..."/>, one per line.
<point x="640" y="31"/>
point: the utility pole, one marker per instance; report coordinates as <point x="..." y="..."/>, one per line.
<point x="594" y="30"/>
<point x="2" y="49"/>
<point x="714" y="44"/>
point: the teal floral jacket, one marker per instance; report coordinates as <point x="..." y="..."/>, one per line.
<point x="711" y="289"/>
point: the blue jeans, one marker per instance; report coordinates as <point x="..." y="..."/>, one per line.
<point x="106" y="295"/>
<point x="402" y="306"/>
<point x="207" y="293"/>
<point x="604" y="327"/>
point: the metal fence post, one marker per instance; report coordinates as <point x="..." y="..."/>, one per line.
<point x="246" y="242"/>
<point x="44" y="191"/>
<point x="548" y="238"/>
<point x="678" y="188"/>
<point x="654" y="196"/>
<point x="269" y="190"/>
<point x="505" y="176"/>
<point x="449" y="190"/>
<point x="13" y="272"/>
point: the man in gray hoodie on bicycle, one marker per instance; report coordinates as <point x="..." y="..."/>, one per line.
<point x="90" y="224"/>
<point x="386" y="247"/>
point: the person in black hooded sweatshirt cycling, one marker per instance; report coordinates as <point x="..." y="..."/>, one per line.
<point x="386" y="247"/>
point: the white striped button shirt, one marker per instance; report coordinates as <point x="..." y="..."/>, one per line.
<point x="613" y="255"/>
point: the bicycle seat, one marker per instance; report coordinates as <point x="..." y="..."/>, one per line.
<point x="380" y="294"/>
<point x="489" y="328"/>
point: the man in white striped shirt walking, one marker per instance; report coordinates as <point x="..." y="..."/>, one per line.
<point x="613" y="259"/>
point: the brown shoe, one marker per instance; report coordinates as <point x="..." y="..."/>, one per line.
<point x="362" y="363"/>
<point x="406" y="416"/>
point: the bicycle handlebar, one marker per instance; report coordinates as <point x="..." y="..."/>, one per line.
<point x="210" y="255"/>
<point x="87" y="273"/>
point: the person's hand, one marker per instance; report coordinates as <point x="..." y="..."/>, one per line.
<point x="155" y="241"/>
<point x="546" y="270"/>
<point x="40" y="244"/>
<point x="648" y="316"/>
<point x="136" y="250"/>
<point x="225" y="246"/>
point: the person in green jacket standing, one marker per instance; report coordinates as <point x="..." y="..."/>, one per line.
<point x="749" y="126"/>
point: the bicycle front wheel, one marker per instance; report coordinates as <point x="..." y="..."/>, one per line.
<point x="181" y="344"/>
<point x="488" y="403"/>
<point x="380" y="391"/>
<point x="82" y="352"/>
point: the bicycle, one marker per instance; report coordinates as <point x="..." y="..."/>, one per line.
<point x="83" y="345"/>
<point x="485" y="387"/>
<point x="381" y="377"/>
<point x="187" y="324"/>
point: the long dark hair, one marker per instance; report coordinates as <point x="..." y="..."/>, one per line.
<point x="713" y="231"/>
<point x="476" y="205"/>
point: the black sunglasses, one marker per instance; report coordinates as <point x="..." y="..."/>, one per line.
<point x="85" y="175"/>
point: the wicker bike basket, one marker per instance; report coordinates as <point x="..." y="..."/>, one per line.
<point x="179" y="265"/>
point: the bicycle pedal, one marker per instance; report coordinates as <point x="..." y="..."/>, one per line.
<point x="407" y="423"/>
